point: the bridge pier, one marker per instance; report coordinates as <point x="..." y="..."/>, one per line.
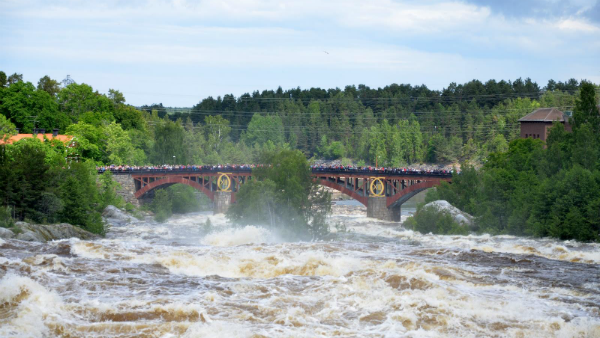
<point x="377" y="208"/>
<point x="127" y="188"/>
<point x="221" y="202"/>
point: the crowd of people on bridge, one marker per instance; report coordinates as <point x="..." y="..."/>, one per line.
<point x="249" y="167"/>
<point x="177" y="167"/>
<point x="383" y="170"/>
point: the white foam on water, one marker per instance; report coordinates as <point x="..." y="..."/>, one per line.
<point x="219" y="329"/>
<point x="253" y="263"/>
<point x="242" y="282"/>
<point x="29" y="305"/>
<point x="238" y="236"/>
<point x="571" y="251"/>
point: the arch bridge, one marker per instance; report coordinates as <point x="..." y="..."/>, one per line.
<point x="382" y="191"/>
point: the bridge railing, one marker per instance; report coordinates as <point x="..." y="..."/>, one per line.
<point x="125" y="171"/>
<point x="384" y="172"/>
<point x="336" y="171"/>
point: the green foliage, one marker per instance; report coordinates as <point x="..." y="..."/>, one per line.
<point x="116" y="96"/>
<point x="27" y="108"/>
<point x="529" y="190"/>
<point x="79" y="194"/>
<point x="264" y="128"/>
<point x="108" y="191"/>
<point x="183" y="199"/>
<point x="433" y="220"/>
<point x="90" y="140"/>
<point x="161" y="205"/>
<point x="464" y="122"/>
<point x="15" y="78"/>
<point x="586" y="108"/>
<point x="207" y="226"/>
<point x="36" y="182"/>
<point x="7" y="129"/>
<point x="565" y="206"/>
<point x="176" y="199"/>
<point x="6" y="220"/>
<point x="49" y="85"/>
<point x="283" y="195"/>
<point x="169" y="146"/>
<point x="129" y="118"/>
<point x="256" y="203"/>
<point x="3" y="79"/>
<point x="77" y="99"/>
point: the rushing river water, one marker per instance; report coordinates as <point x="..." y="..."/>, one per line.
<point x="375" y="280"/>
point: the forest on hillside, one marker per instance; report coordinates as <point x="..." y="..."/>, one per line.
<point x="393" y="126"/>
<point x="397" y="125"/>
<point x="533" y="188"/>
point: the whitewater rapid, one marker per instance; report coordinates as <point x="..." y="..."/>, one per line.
<point x="375" y="279"/>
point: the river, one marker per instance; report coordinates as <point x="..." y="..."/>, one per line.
<point x="375" y="279"/>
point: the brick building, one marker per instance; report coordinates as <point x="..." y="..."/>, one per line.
<point x="537" y="123"/>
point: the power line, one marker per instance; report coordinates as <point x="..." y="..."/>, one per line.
<point x="434" y="95"/>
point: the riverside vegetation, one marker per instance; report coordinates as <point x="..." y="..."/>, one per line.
<point x="531" y="189"/>
<point x="392" y="126"/>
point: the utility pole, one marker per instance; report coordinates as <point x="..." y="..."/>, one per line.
<point x="67" y="81"/>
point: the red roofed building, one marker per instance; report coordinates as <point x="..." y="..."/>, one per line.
<point x="537" y="123"/>
<point x="40" y="136"/>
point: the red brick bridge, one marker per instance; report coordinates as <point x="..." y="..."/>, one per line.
<point x="382" y="191"/>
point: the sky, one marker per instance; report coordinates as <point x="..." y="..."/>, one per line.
<point x="177" y="52"/>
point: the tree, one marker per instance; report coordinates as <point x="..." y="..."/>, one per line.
<point x="264" y="128"/>
<point x="118" y="145"/>
<point x="90" y="141"/>
<point x="217" y="129"/>
<point x="586" y="108"/>
<point x="108" y="191"/>
<point x="169" y="146"/>
<point x="49" y="85"/>
<point x="76" y="99"/>
<point x="79" y="193"/>
<point x="161" y="205"/>
<point x="29" y="108"/>
<point x="7" y="129"/>
<point x="31" y="178"/>
<point x="284" y="196"/>
<point x="116" y="96"/>
<point x="3" y="79"/>
<point x="14" y="78"/>
<point x="129" y="118"/>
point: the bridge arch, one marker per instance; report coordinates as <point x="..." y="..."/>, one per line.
<point x="410" y="191"/>
<point x="344" y="190"/>
<point x="169" y="180"/>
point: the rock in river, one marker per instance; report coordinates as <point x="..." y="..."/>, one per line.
<point x="459" y="216"/>
<point x="49" y="232"/>
<point x="116" y="216"/>
<point x="6" y="233"/>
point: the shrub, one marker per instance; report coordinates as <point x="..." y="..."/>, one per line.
<point x="161" y="205"/>
<point x="432" y="219"/>
<point x="6" y="220"/>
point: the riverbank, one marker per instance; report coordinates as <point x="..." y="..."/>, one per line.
<point x="45" y="232"/>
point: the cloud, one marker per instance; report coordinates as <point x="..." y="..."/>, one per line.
<point x="254" y="44"/>
<point x="577" y="25"/>
<point x="411" y="17"/>
<point x="589" y="9"/>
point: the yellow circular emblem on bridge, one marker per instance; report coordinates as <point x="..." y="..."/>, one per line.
<point x="377" y="187"/>
<point x="224" y="182"/>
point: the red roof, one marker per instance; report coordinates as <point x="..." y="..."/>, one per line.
<point x="544" y="115"/>
<point x="18" y="137"/>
